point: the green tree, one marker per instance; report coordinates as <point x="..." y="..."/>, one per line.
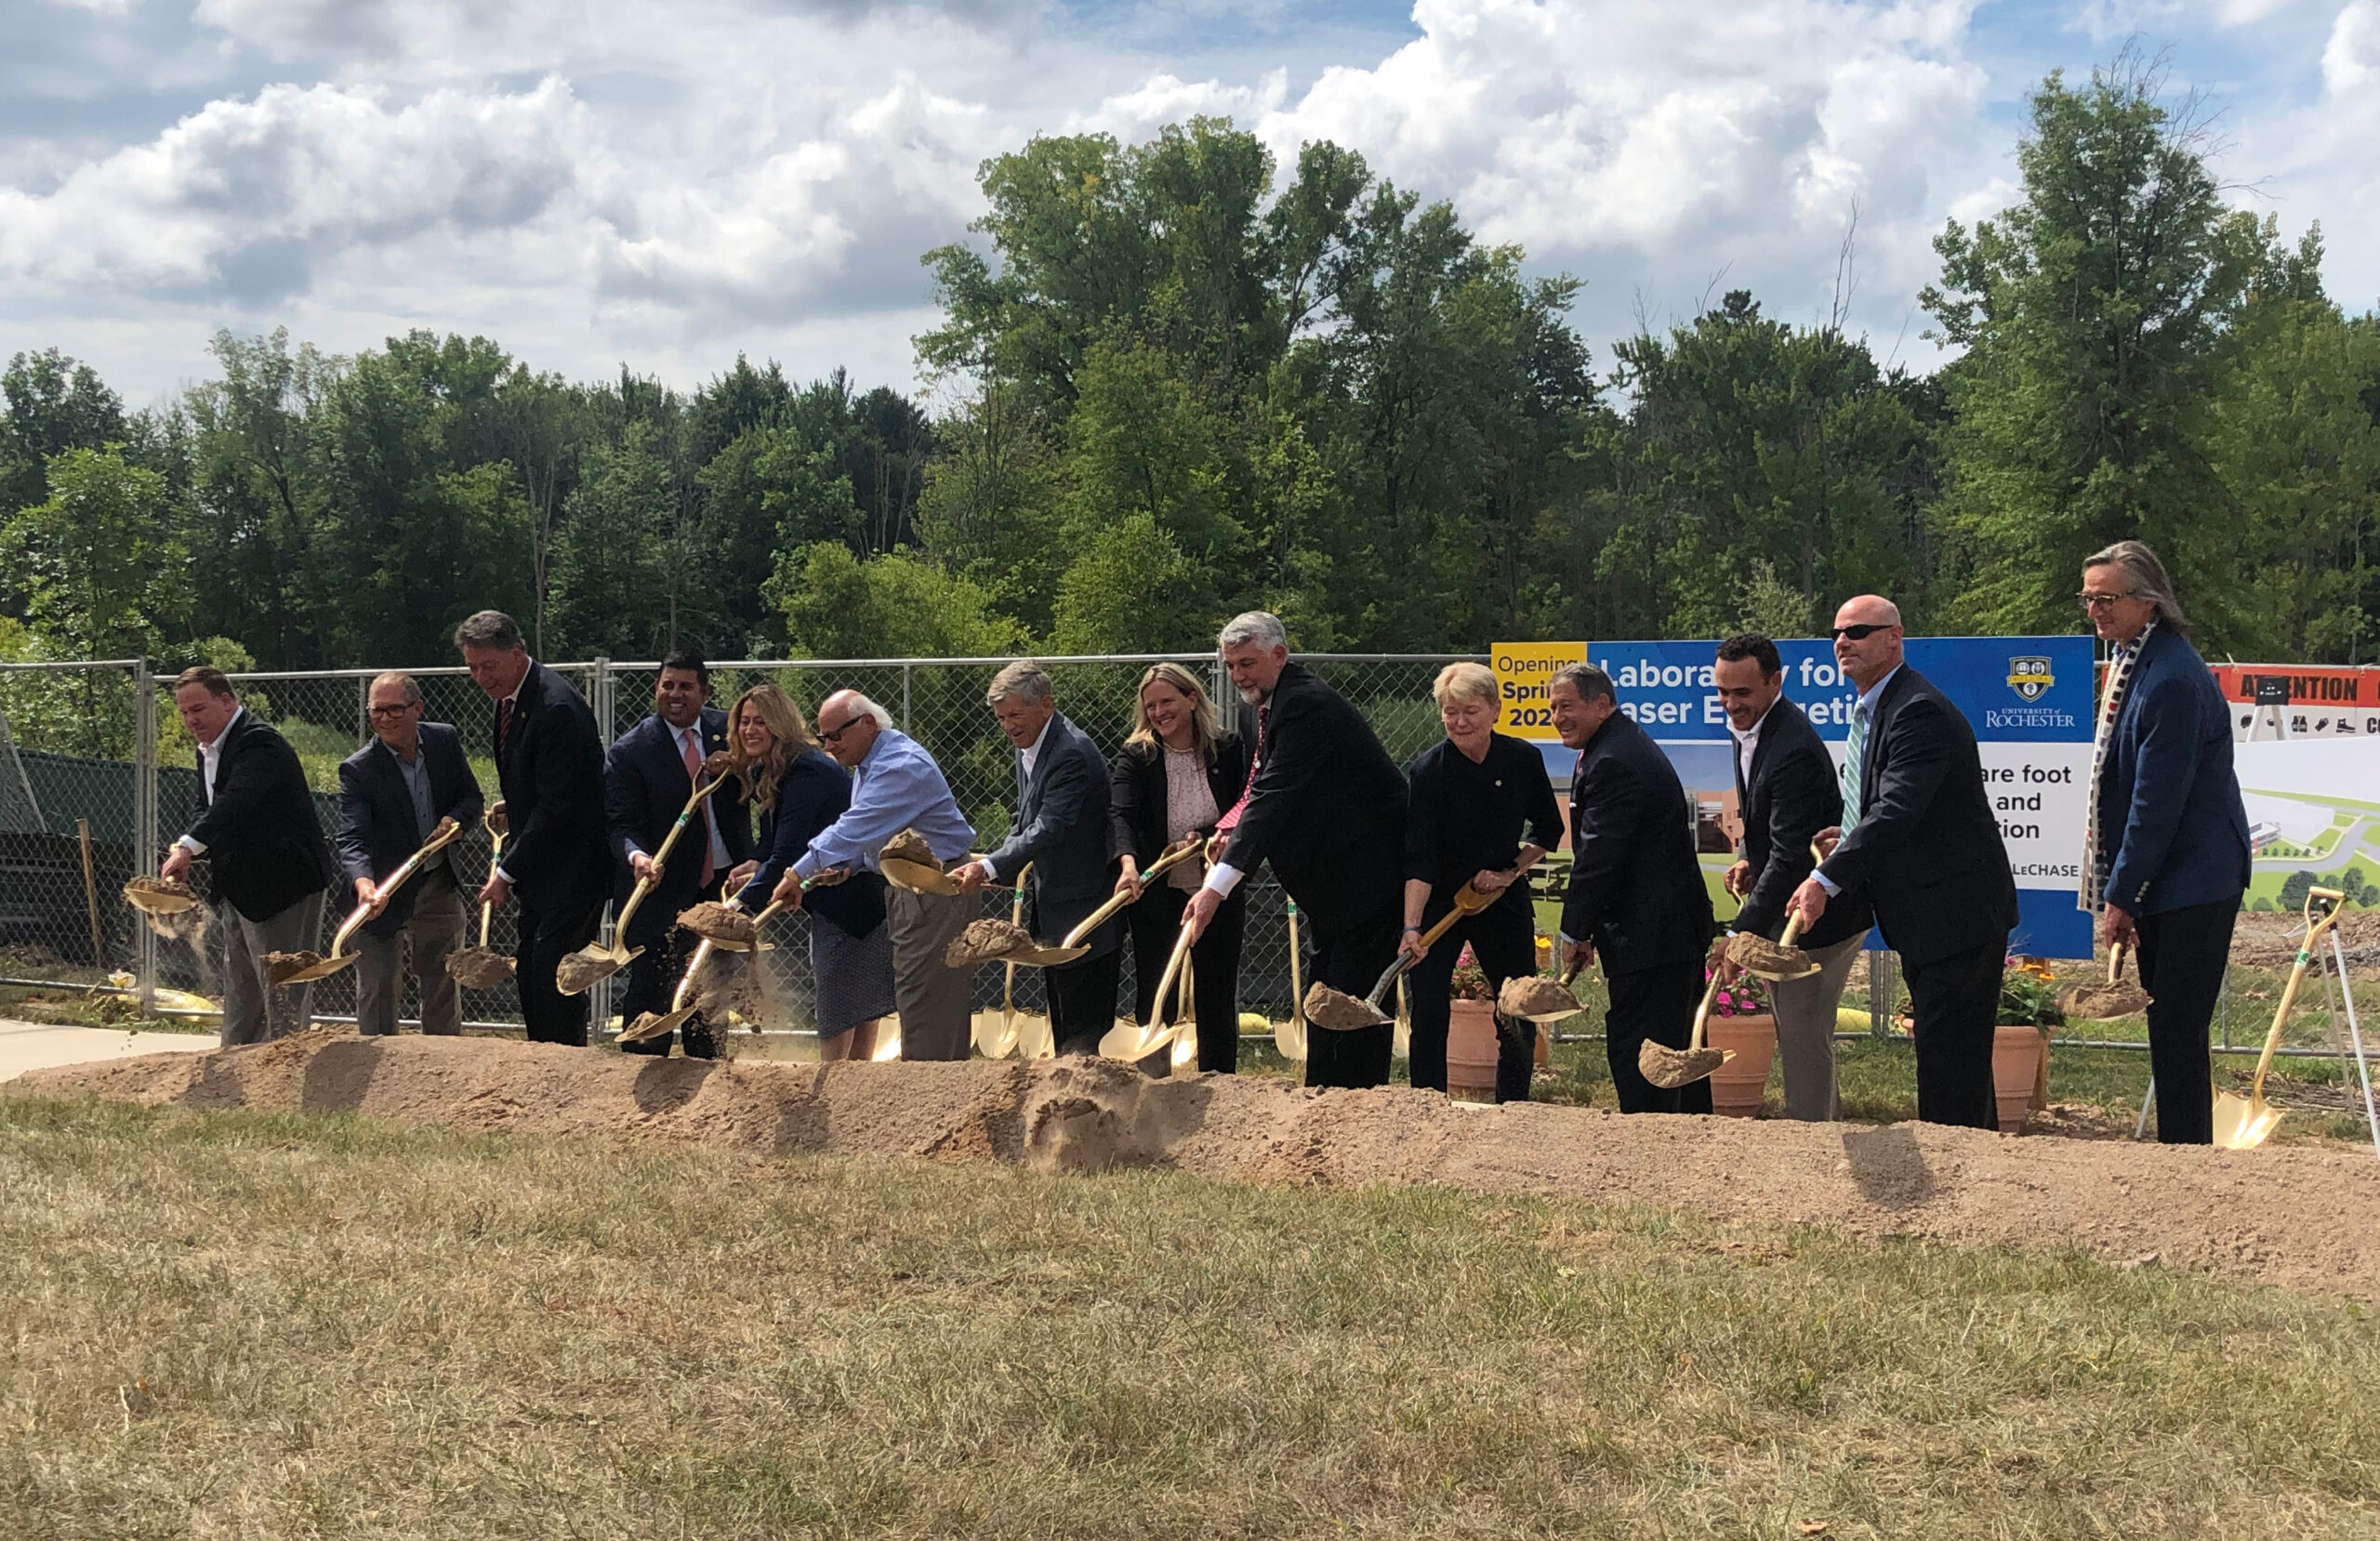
<point x="617" y="566"/>
<point x="893" y="606"/>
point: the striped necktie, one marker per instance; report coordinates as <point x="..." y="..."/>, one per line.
<point x="1855" y="750"/>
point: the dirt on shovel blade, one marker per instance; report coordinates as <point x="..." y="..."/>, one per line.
<point x="2098" y="1002"/>
<point x="910" y="845"/>
<point x="1755" y="954"/>
<point x="1669" y="1068"/>
<point x="718" y="923"/>
<point x="985" y="939"/>
<point x="479" y="968"/>
<point x="279" y="967"/>
<point x="1328" y="1009"/>
<point x="1535" y="996"/>
<point x="577" y="972"/>
<point x="168" y="888"/>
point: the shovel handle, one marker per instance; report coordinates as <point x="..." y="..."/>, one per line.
<point x="1792" y="929"/>
<point x="390" y="884"/>
<point x="1297" y="968"/>
<point x="2316" y="925"/>
<point x="1702" y="1012"/>
<point x="1446" y="923"/>
<point x="2115" y="961"/>
<point x="1165" y="980"/>
<point x="687" y="984"/>
<point x="685" y="817"/>
<point x="494" y="854"/>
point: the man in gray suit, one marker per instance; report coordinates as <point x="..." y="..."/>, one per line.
<point x="1062" y="829"/>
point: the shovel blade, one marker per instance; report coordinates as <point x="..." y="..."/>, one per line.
<point x="649" y="1026"/>
<point x="1671" y="1068"/>
<point x="2242" y="1124"/>
<point x="322" y="970"/>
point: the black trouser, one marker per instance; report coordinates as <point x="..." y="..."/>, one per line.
<point x="1213" y="968"/>
<point x="2182" y="956"/>
<point x="1351" y="960"/>
<point x="1954" y="1004"/>
<point x="1503" y="943"/>
<point x="1082" y="1001"/>
<point x="653" y="981"/>
<point x="546" y="937"/>
<point x="1653" y="1005"/>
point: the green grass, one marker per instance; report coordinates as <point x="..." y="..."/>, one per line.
<point x="239" y="1325"/>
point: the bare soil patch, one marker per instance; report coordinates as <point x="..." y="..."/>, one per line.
<point x="2303" y="1216"/>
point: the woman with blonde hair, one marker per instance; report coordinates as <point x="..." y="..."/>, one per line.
<point x="1176" y="773"/>
<point x="800" y="790"/>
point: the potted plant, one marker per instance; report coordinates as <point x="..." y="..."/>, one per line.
<point x="2020" y="1044"/>
<point x="1470" y="1032"/>
<point x="1740" y="1020"/>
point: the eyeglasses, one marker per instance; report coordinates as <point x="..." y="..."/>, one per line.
<point x="1861" y="632"/>
<point x="835" y="736"/>
<point x="2104" y="601"/>
<point x="394" y="711"/>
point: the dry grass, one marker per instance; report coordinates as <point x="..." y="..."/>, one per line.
<point x="247" y="1325"/>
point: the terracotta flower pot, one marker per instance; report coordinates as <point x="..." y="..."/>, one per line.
<point x="1737" y="1087"/>
<point x="2019" y="1061"/>
<point x="1471" y="1051"/>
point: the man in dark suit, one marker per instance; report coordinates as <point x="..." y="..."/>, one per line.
<point x="1786" y="792"/>
<point x="1920" y="846"/>
<point x="1636" y="899"/>
<point x="408" y="785"/>
<point x="1060" y="828"/>
<point x="2166" y="854"/>
<point x="1326" y="806"/>
<point x="550" y="769"/>
<point x="648" y="775"/>
<point x="267" y="863"/>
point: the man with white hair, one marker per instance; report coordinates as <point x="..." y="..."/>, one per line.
<point x="1326" y="806"/>
<point x="896" y="785"/>
<point x="1919" y="842"/>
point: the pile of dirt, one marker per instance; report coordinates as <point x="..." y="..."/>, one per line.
<point x="479" y="968"/>
<point x="577" y="972"/>
<point x="720" y="923"/>
<point x="985" y="941"/>
<point x="2099" y="1003"/>
<point x="1335" y="1012"/>
<point x="2295" y="1215"/>
<point x="910" y="845"/>
<point x="1755" y="954"/>
<point x="1536" y="996"/>
<point x="2262" y="940"/>
<point x="279" y="968"/>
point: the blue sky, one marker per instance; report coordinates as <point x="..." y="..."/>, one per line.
<point x="594" y="181"/>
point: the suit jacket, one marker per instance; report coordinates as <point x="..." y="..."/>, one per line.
<point x="1329" y="804"/>
<point x="2167" y="771"/>
<point x="1636" y="890"/>
<point x="813" y="793"/>
<point x="1925" y="853"/>
<point x="550" y="771"/>
<point x="1062" y="828"/>
<point x="645" y="787"/>
<point x="377" y="827"/>
<point x="264" y="845"/>
<point x="1794" y="793"/>
<point x="1136" y="795"/>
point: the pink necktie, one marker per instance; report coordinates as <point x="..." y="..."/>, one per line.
<point x="1230" y="821"/>
<point x="694" y="779"/>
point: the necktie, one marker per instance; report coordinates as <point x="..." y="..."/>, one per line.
<point x="1855" y="750"/>
<point x="693" y="779"/>
<point x="503" y="723"/>
<point x="1230" y="821"/>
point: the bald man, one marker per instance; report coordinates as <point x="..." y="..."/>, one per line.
<point x="1920" y="844"/>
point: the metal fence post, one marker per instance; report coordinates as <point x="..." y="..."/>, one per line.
<point x="1882" y="987"/>
<point x="144" y="825"/>
<point x="598" y="1000"/>
<point x="905" y="700"/>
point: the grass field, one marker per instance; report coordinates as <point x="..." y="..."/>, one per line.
<point x="247" y="1325"/>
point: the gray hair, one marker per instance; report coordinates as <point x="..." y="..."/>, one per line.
<point x="863" y="707"/>
<point x="489" y="628"/>
<point x="1466" y="682"/>
<point x="398" y="677"/>
<point x="2146" y="575"/>
<point x="1259" y="626"/>
<point x="1586" y="682"/>
<point x="1024" y="679"/>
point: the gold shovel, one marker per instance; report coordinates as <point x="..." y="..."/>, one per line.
<point x="2244" y="1125"/>
<point x="1139" y="1040"/>
<point x="1289" y="1038"/>
<point x="482" y="967"/>
<point x="323" y="968"/>
<point x="584" y="969"/>
<point x="1671" y="1068"/>
<point x="995" y="1034"/>
<point x="2101" y="1003"/>
<point x="1343" y="1014"/>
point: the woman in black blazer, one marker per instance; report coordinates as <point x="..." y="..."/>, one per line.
<point x="1176" y="775"/>
<point x="799" y="791"/>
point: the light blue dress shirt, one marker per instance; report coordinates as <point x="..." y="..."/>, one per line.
<point x="896" y="786"/>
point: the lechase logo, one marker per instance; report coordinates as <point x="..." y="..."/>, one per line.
<point x="2030" y="678"/>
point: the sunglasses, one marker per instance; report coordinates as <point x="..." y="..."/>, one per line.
<point x="1861" y="632"/>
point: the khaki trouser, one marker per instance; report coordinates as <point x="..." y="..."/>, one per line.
<point x="1804" y="1010"/>
<point x="435" y="928"/>
<point x="252" y="1009"/>
<point x="933" y="999"/>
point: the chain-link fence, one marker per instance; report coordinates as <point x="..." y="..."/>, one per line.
<point x="93" y="754"/>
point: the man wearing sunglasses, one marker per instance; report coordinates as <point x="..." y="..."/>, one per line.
<point x="1919" y="843"/>
<point x="896" y="785"/>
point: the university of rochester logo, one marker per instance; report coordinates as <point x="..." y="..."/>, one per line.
<point x="2029" y="678"/>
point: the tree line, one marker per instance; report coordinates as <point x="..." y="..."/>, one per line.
<point x="1181" y="380"/>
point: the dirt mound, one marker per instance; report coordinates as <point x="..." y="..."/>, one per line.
<point x="2298" y="1216"/>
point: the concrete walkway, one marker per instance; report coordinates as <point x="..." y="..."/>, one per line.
<point x="34" y="1046"/>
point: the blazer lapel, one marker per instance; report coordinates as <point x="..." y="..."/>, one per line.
<point x="1885" y="700"/>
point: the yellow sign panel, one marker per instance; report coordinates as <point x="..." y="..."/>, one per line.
<point x="1523" y="672"/>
